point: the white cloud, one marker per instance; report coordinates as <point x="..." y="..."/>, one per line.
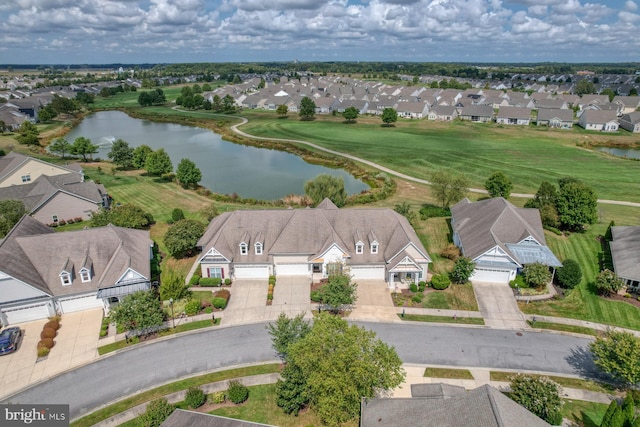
<point x="630" y="6"/>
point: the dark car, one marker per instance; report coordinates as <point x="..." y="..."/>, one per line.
<point x="9" y="340"/>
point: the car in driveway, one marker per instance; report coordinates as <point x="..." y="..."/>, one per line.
<point x="9" y="340"/>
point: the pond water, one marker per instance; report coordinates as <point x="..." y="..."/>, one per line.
<point x="226" y="167"/>
<point x="630" y="153"/>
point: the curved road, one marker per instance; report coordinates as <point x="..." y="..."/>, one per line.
<point x="128" y="372"/>
<point x="386" y="169"/>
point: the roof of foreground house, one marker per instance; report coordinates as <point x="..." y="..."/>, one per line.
<point x="625" y="251"/>
<point x="10" y="162"/>
<point x="182" y="418"/>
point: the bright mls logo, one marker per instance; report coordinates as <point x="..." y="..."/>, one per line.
<point x="34" y="415"/>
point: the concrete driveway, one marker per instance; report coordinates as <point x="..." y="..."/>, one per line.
<point x="374" y="302"/>
<point x="291" y="295"/>
<point x="248" y="302"/>
<point x="75" y="345"/>
<point x="498" y="306"/>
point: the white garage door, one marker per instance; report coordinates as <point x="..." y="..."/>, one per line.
<point x="487" y="275"/>
<point x="79" y="303"/>
<point x="26" y="313"/>
<point x="251" y="272"/>
<point x="292" y="269"/>
<point x="368" y="272"/>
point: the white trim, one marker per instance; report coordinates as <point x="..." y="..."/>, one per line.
<point x="65" y="278"/>
<point x="425" y="259"/>
<point x="132" y="271"/>
<point x="244" y="250"/>
<point x="85" y="275"/>
<point x="258" y="248"/>
<point x="359" y="248"/>
<point x="213" y="252"/>
<point x="374" y="248"/>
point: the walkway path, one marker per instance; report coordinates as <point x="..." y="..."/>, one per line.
<point x="235" y="129"/>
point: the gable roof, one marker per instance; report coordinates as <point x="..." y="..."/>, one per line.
<point x="478" y="110"/>
<point x="10" y="162"/>
<point x="514" y="113"/>
<point x="563" y="114"/>
<point x="625" y="251"/>
<point x="182" y="418"/>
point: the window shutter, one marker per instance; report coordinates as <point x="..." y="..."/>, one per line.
<point x="222" y="273"/>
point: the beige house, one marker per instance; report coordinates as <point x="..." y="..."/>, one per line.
<point x="18" y="169"/>
<point x="603" y="121"/>
<point x="514" y="116"/>
<point x="313" y="243"/>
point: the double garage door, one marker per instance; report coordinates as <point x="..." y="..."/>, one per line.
<point x="79" y="303"/>
<point x="292" y="269"/>
<point x="488" y="275"/>
<point x="26" y="313"/>
<point x="251" y="272"/>
<point x="368" y="273"/>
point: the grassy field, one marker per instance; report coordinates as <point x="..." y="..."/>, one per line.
<point x="455" y="297"/>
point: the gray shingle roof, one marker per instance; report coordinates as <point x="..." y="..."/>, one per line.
<point x="514" y="113"/>
<point x="12" y="160"/>
<point x="625" y="251"/>
<point x="182" y="418"/>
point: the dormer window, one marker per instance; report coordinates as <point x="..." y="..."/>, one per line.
<point x="374" y="248"/>
<point x="65" y="278"/>
<point x="243" y="249"/>
<point x="85" y="275"/>
<point x="258" y="248"/>
<point x="359" y="248"/>
<point x="26" y="178"/>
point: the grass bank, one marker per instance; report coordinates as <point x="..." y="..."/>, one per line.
<point x="442" y="319"/>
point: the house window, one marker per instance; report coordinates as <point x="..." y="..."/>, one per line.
<point x="216" y="272"/>
<point x="55" y="218"/>
<point x="258" y="248"/>
<point x="65" y="278"/>
<point x="317" y="268"/>
<point x="85" y="275"/>
<point x="359" y="248"/>
<point x="26" y="178"/>
<point x="243" y="249"/>
<point x="374" y="248"/>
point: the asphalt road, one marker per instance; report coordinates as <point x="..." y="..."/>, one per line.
<point x="145" y="366"/>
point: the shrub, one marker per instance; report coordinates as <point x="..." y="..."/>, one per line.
<point x="46" y="342"/>
<point x="272" y="280"/>
<point x="62" y="222"/>
<point x="48" y="333"/>
<point x="43" y="351"/>
<point x="227" y="281"/>
<point x="177" y="214"/>
<point x="570" y="274"/>
<point x="519" y="282"/>
<point x="195" y="397"/>
<point x="431" y="211"/>
<point x="218" y="397"/>
<point x="462" y="270"/>
<point x="451" y="252"/>
<point x="440" y="281"/>
<point x="53" y="323"/>
<point x="536" y="275"/>
<point x="417" y="298"/>
<point x="210" y="281"/>
<point x="219" y="303"/>
<point x="413" y="288"/>
<point x="269" y="297"/>
<point x="195" y="280"/>
<point x="192" y="307"/>
<point x="422" y="285"/>
<point x="237" y="392"/>
<point x="157" y="411"/>
<point x="316" y="296"/>
<point x="223" y="293"/>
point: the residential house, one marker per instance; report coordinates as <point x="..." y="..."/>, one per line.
<point x="59" y="198"/>
<point x="11" y="117"/>
<point x="18" y="169"/>
<point x="442" y="405"/>
<point x="629" y="103"/>
<point x="443" y="112"/>
<point x="43" y="273"/>
<point x="555" y="118"/>
<point x="586" y="100"/>
<point x="604" y="121"/>
<point x="182" y="418"/>
<point x="551" y="103"/>
<point x="377" y="244"/>
<point x="499" y="237"/>
<point x="412" y="110"/>
<point x="514" y="116"/>
<point x="625" y="253"/>
<point x="630" y="121"/>
<point x="477" y="113"/>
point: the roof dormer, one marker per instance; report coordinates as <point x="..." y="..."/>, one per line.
<point x="244" y="244"/>
<point x="374" y="246"/>
<point x="359" y="243"/>
<point x="86" y="270"/>
<point x="66" y="274"/>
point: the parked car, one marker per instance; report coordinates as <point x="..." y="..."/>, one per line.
<point x="9" y="340"/>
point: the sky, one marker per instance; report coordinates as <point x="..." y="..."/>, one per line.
<point x="178" y="31"/>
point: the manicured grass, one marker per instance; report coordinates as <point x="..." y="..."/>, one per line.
<point x="189" y="326"/>
<point x="442" y="319"/>
<point x="526" y="155"/>
<point x="587" y="414"/>
<point x="455" y="297"/>
<point x="568" y="382"/>
<point x="149" y="395"/>
<point x="564" y="328"/>
<point x="450" y="373"/>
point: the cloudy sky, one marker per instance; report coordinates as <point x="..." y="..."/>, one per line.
<point x="137" y="31"/>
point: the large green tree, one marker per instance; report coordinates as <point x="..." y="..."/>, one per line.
<point x="389" y="116"/>
<point x="449" y="188"/>
<point x="139" y="310"/>
<point x="172" y="286"/>
<point x="47" y="114"/>
<point x="60" y="146"/>
<point x="158" y="163"/>
<point x="282" y="110"/>
<point x="539" y="395"/>
<point x="577" y="204"/>
<point x="307" y="108"/>
<point x="339" y="292"/>
<point x="181" y="238"/>
<point x="286" y="331"/>
<point x="121" y="154"/>
<point x="341" y="364"/>
<point x="188" y="173"/>
<point x="326" y="186"/>
<point x="84" y="148"/>
<point x="617" y="353"/>
<point x="350" y="114"/>
<point x="140" y="154"/>
<point x="28" y="134"/>
<point x="10" y="213"/>
<point x="498" y="185"/>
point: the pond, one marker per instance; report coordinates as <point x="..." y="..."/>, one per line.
<point x="226" y="167"/>
<point x="629" y="153"/>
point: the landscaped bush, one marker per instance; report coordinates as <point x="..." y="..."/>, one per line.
<point x="53" y="323"/>
<point x="210" y="281"/>
<point x="227" y="281"/>
<point x="46" y="342"/>
<point x="43" y="351"/>
<point x="413" y="288"/>
<point x="48" y="333"/>
<point x="422" y="285"/>
<point x="177" y="214"/>
<point x="157" y="411"/>
<point x="316" y="296"/>
<point x="219" y="303"/>
<point x="192" y="307"/>
<point x="223" y="293"/>
<point x="272" y="280"/>
<point x="104" y="327"/>
<point x="195" y="398"/>
<point x="432" y="211"/>
<point x="417" y="298"/>
<point x="218" y="397"/>
<point x="570" y="274"/>
<point x="194" y="281"/>
<point x="519" y="281"/>
<point x="440" y="281"/>
<point x="451" y="252"/>
<point x="237" y="392"/>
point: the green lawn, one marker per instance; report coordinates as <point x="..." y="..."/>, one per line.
<point x="587" y="414"/>
<point x="564" y="328"/>
<point x="455" y="297"/>
<point x="568" y="382"/>
<point x="442" y="319"/>
<point x="449" y="373"/>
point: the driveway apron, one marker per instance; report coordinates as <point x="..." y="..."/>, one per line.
<point x="291" y="295"/>
<point x="498" y="306"/>
<point x="374" y="302"/>
<point x="248" y="303"/>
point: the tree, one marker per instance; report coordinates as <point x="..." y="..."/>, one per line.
<point x="10" y="213"/>
<point x="140" y="154"/>
<point x="172" y="286"/>
<point x="326" y="186"/>
<point x="158" y="162"/>
<point x="209" y="212"/>
<point x="228" y="104"/>
<point x="121" y="154"/>
<point x="462" y="270"/>
<point x="498" y="185"/>
<point x="342" y="364"/>
<point x="182" y="237"/>
<point x="47" y="114"/>
<point x="282" y="110"/>
<point x="157" y="412"/>
<point x="287" y="331"/>
<point x="292" y="391"/>
<point x="60" y="146"/>
<point x="139" y="310"/>
<point x="536" y="274"/>
<point x="63" y="105"/>
<point x="28" y="134"/>
<point x="570" y="274"/>
<point x="577" y="204"/>
<point x="350" y="114"/>
<point x="608" y="283"/>
<point x="389" y="116"/>
<point x="307" y="108"/>
<point x="154" y="97"/>
<point x="129" y="216"/>
<point x="584" y="87"/>
<point x="617" y="353"/>
<point x="83" y="147"/>
<point x="339" y="292"/>
<point x="188" y="173"/>
<point x="609" y="92"/>
<point x="539" y="395"/>
<point x="449" y="188"/>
